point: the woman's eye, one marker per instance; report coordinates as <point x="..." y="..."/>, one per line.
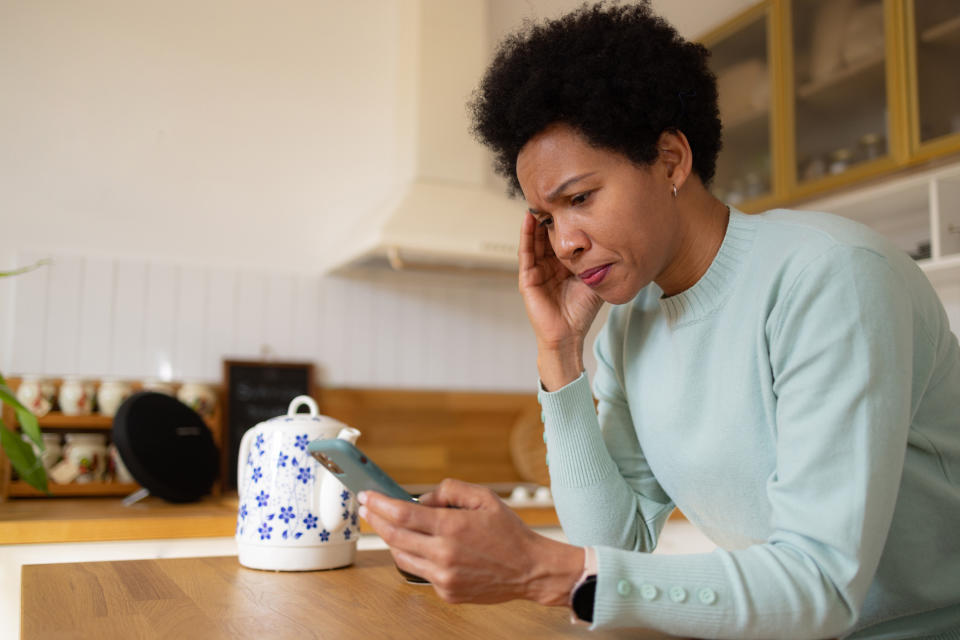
<point x="544" y="222"/>
<point x="580" y="198"/>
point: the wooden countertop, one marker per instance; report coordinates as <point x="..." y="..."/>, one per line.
<point x="100" y="519"/>
<point x="218" y="598"/>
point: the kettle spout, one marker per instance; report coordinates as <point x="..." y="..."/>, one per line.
<point x="349" y="434"/>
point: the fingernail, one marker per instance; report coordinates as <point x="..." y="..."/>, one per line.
<point x="362" y="497"/>
<point x="363" y="512"/>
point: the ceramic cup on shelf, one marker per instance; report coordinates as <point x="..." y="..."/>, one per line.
<point x="51" y="449"/>
<point x="87" y="452"/>
<point x="76" y="396"/>
<point x="294" y="515"/>
<point x="160" y="386"/>
<point x="199" y="397"/>
<point x="37" y="394"/>
<point x="110" y="395"/>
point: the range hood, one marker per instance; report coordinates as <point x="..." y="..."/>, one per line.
<point x="448" y="216"/>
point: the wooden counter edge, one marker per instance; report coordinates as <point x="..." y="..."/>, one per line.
<point x="42" y="531"/>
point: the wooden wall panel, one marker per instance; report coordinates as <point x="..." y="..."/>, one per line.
<point x="422" y="437"/>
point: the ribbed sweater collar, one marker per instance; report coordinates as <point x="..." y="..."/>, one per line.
<point x="712" y="289"/>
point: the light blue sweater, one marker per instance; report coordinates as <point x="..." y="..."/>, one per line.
<point x="801" y="405"/>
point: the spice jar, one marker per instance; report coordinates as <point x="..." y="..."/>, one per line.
<point x="76" y="397"/>
<point x="871" y="146"/>
<point x="88" y="453"/>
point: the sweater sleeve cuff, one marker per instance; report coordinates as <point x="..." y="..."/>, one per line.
<point x="576" y="452"/>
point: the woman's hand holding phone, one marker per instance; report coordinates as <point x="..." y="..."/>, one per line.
<point x="560" y="307"/>
<point x="479" y="552"/>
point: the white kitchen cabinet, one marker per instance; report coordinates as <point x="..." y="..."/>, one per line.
<point x="919" y="213"/>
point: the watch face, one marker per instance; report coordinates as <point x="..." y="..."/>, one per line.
<point x="583" y="596"/>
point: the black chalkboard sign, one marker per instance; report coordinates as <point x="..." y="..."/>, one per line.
<point x="257" y="391"/>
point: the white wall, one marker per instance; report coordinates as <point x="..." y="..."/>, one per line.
<point x="219" y="130"/>
<point x="186" y="163"/>
<point x="223" y="133"/>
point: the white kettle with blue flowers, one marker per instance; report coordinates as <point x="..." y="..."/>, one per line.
<point x="294" y="515"/>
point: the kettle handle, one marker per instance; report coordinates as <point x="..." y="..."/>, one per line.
<point x="242" y="459"/>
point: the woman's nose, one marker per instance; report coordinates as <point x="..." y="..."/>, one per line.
<point x="569" y="240"/>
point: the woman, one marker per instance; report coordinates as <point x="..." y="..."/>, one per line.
<point x="789" y="380"/>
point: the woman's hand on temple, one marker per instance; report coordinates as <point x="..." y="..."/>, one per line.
<point x="479" y="552"/>
<point x="560" y="307"/>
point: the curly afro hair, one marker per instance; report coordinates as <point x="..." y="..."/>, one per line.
<point x="620" y="75"/>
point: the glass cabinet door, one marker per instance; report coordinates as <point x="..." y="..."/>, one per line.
<point x="741" y="65"/>
<point x="839" y="85"/>
<point x="937" y="36"/>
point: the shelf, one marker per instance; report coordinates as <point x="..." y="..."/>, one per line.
<point x="57" y="420"/>
<point x="23" y="490"/>
<point x="945" y="32"/>
<point x="943" y="270"/>
<point x="838" y="79"/>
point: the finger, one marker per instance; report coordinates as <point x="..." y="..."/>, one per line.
<point x="528" y="231"/>
<point x="456" y="493"/>
<point x="398" y="537"/>
<point x="412" y="563"/>
<point x="540" y="242"/>
<point x="399" y="513"/>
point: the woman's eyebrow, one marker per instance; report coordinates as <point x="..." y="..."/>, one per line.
<point x="556" y="192"/>
<point x="553" y="195"/>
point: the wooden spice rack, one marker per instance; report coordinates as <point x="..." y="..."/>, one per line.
<point x="56" y="421"/>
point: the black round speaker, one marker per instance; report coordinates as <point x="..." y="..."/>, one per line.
<point x="166" y="446"/>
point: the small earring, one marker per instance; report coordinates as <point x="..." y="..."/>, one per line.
<point x="674" y="191"/>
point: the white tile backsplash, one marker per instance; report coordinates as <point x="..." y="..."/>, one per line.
<point x="62" y="330"/>
<point x="160" y="318"/>
<point x="30" y="314"/>
<point x="139" y="319"/>
<point x="96" y="317"/>
<point x="129" y="313"/>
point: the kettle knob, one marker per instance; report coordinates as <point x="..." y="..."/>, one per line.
<point x="299" y="401"/>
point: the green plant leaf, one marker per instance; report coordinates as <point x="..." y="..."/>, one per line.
<point x="28" y="421"/>
<point x="16" y="272"/>
<point x="21" y="456"/>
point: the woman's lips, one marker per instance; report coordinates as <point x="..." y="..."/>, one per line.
<point x="593" y="277"/>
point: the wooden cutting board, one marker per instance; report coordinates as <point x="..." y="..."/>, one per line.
<point x="528" y="450"/>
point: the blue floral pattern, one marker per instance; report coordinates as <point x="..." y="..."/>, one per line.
<point x="262" y="516"/>
<point x="304" y="475"/>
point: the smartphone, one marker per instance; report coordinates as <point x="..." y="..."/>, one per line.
<point x="359" y="473"/>
<point x="354" y="469"/>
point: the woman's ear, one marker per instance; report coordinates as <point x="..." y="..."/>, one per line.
<point x="675" y="156"/>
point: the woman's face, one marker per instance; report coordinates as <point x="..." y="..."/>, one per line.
<point x="612" y="223"/>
